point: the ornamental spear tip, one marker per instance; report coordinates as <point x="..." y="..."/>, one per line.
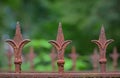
<point x="18" y="31"/>
<point x="115" y="53"/>
<point x="102" y="36"/>
<point x="115" y="50"/>
<point x="60" y="36"/>
<point x="18" y="35"/>
<point x="73" y="49"/>
<point x="102" y="42"/>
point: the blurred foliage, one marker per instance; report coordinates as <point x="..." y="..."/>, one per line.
<point x="81" y="22"/>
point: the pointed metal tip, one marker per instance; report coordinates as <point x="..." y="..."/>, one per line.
<point x="60" y="27"/>
<point x="18" y="35"/>
<point x="60" y="33"/>
<point x="18" y="25"/>
<point x="102" y="33"/>
<point x="60" y="24"/>
<point x="18" y="22"/>
<point x="115" y="49"/>
<point x="73" y="49"/>
<point x="102" y="28"/>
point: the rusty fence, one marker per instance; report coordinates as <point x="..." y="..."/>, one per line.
<point x="60" y="44"/>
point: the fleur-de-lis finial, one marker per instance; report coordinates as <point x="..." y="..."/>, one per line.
<point x="60" y="46"/>
<point x="17" y="44"/>
<point x="9" y="56"/>
<point x="102" y="44"/>
<point x="73" y="56"/>
<point x="115" y="55"/>
<point x="95" y="59"/>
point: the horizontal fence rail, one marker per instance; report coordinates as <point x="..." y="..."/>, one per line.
<point x="57" y="75"/>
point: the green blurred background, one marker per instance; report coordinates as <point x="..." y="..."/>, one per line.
<point x="81" y="22"/>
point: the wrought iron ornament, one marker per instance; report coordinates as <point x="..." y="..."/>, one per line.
<point x="115" y="55"/>
<point x="17" y="44"/>
<point x="9" y="56"/>
<point x="73" y="56"/>
<point x="60" y="46"/>
<point x="102" y="44"/>
<point x="95" y="59"/>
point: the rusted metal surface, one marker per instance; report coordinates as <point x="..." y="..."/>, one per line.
<point x="9" y="56"/>
<point x="95" y="59"/>
<point x="64" y="75"/>
<point x="31" y="57"/>
<point x="73" y="56"/>
<point x="60" y="46"/>
<point x="102" y="44"/>
<point x="17" y="44"/>
<point x="115" y="55"/>
<point x="53" y="56"/>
